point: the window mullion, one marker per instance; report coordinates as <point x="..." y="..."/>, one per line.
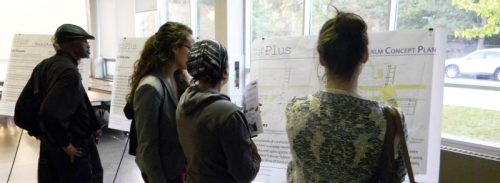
<point x="307" y="17"/>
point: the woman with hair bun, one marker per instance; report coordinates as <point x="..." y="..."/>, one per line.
<point x="213" y="132"/>
<point x="336" y="135"/>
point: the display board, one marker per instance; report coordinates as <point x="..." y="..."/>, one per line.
<point x="404" y="69"/>
<point x="27" y="51"/>
<point x="128" y="52"/>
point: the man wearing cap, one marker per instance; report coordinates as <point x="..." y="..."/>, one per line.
<point x="66" y="118"/>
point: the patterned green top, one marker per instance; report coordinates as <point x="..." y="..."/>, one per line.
<point x="335" y="136"/>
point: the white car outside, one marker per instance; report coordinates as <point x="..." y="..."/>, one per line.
<point x="485" y="62"/>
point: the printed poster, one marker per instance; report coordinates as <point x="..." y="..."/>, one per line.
<point x="128" y="52"/>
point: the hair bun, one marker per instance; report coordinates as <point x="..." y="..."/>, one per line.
<point x="349" y="26"/>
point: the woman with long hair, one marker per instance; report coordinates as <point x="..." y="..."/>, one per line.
<point x="156" y="83"/>
<point x="336" y="135"/>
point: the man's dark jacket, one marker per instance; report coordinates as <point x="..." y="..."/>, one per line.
<point x="66" y="115"/>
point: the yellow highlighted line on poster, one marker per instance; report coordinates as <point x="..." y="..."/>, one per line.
<point x="389" y="92"/>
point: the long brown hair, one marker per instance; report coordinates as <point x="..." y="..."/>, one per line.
<point x="157" y="52"/>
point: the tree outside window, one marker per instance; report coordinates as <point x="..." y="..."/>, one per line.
<point x="277" y="18"/>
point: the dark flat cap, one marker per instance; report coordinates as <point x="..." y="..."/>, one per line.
<point x="69" y="32"/>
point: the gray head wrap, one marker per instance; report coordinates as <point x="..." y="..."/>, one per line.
<point x="207" y="61"/>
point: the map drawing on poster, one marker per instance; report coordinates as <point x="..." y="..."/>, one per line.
<point x="27" y="51"/>
<point x="403" y="70"/>
<point x="128" y="52"/>
<point x="380" y="83"/>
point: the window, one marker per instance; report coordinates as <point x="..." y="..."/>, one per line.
<point x="276" y="18"/>
<point x="206" y="19"/>
<point x="146" y="23"/>
<point x="179" y="11"/>
<point x="493" y="55"/>
<point x="375" y="12"/>
<point x="478" y="55"/>
<point x="474" y="117"/>
<point x="109" y="68"/>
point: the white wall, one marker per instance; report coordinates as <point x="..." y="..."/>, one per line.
<point x="35" y="17"/>
<point x="116" y="20"/>
<point x="125" y="18"/>
<point x="107" y="28"/>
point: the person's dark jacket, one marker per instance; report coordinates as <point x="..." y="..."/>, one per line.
<point x="66" y="115"/>
<point x="215" y="138"/>
<point x="159" y="154"/>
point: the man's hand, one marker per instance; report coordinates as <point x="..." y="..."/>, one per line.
<point x="97" y="136"/>
<point x="72" y="152"/>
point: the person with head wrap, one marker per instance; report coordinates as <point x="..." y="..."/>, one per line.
<point x="213" y="132"/>
<point x="156" y="83"/>
<point x="67" y="122"/>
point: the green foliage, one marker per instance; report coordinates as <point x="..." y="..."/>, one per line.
<point x="274" y="18"/>
<point x="260" y="16"/>
<point x="374" y="12"/>
<point x="489" y="10"/>
<point x="206" y="2"/>
<point x="424" y="14"/>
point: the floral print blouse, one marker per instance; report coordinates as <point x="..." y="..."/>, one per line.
<point x="335" y="136"/>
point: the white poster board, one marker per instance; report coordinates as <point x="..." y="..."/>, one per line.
<point x="27" y="51"/>
<point x="128" y="52"/>
<point x="404" y="68"/>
